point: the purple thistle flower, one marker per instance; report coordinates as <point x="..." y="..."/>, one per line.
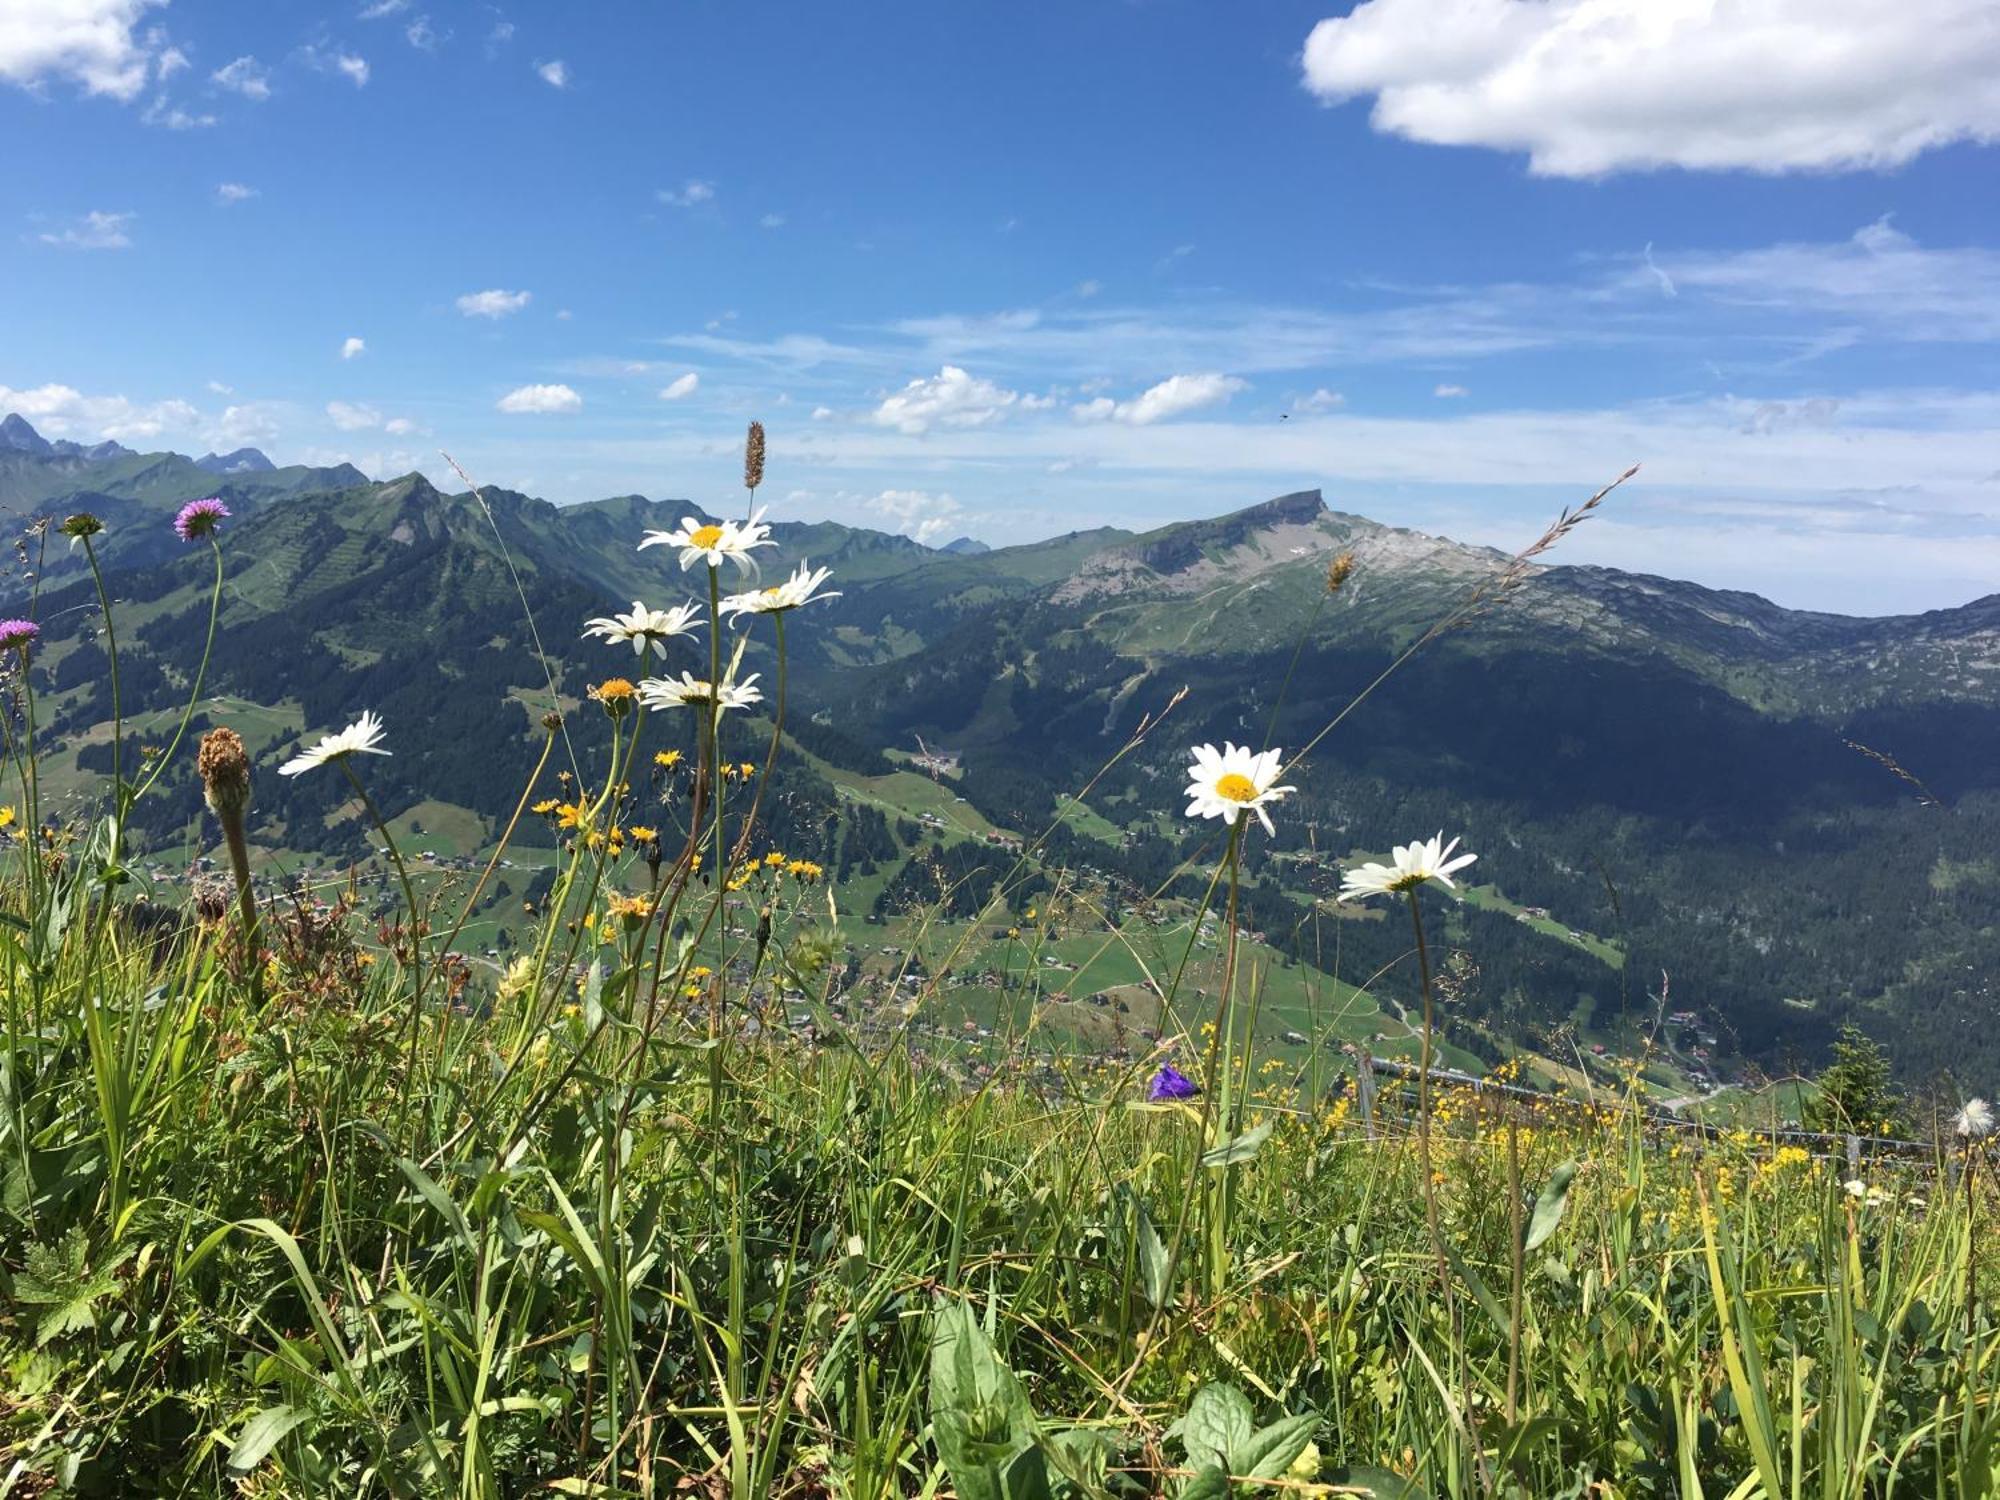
<point x="18" y="634"/>
<point x="1171" y="1083"/>
<point x="200" y="517"/>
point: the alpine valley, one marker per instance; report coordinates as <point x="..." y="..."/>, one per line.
<point x="1661" y="779"/>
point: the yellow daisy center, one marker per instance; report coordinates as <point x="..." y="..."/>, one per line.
<point x="705" y="536"/>
<point x="1236" y="788"/>
<point x="613" y="689"/>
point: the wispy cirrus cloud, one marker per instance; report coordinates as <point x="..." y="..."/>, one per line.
<point x="96" y="230"/>
<point x="245" y="76"/>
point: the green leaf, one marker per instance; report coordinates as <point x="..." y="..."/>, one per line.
<point x="1549" y="1205"/>
<point x="1209" y="1483"/>
<point x="1217" y="1426"/>
<point x="261" y="1434"/>
<point x="1378" y="1484"/>
<point x="428" y="1189"/>
<point x="1150" y="1249"/>
<point x="981" y="1422"/>
<point x="1269" y="1453"/>
<point x="1238" y="1148"/>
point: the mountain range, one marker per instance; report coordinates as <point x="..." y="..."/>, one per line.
<point x="1661" y="779"/>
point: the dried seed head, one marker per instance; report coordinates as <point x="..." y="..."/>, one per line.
<point x="211" y="898"/>
<point x="1338" y="572"/>
<point x="81" y="525"/>
<point x="753" y="457"/>
<point x="224" y="766"/>
<point x="552" y="721"/>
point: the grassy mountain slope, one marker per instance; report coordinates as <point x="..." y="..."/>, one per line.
<point x="1658" y="766"/>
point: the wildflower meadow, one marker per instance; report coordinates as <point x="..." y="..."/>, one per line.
<point x="298" y="1202"/>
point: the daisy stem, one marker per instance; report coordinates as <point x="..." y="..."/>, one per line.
<point x="720" y="873"/>
<point x="403" y="875"/>
<point x="1424" y="1147"/>
<point x="771" y="756"/>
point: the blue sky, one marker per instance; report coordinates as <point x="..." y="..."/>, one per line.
<point x="1006" y="270"/>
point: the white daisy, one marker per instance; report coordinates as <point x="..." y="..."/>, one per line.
<point x="801" y="588"/>
<point x="688" y="690"/>
<point x="1975" y="1121"/>
<point x="1415" y="865"/>
<point x="645" y="627"/>
<point x="362" y="737"/>
<point x="713" y="541"/>
<point x="1235" y="779"/>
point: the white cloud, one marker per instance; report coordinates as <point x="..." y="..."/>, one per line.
<point x="86" y="42"/>
<point x="951" y="398"/>
<point x="501" y="34"/>
<point x="421" y="34"/>
<point x="771" y="221"/>
<point x="692" y="193"/>
<point x="1321" y="400"/>
<point x="1450" y="392"/>
<point x="493" y="304"/>
<point x="322" y="60"/>
<point x="356" y="417"/>
<point x="822" y="414"/>
<point x="382" y="8"/>
<point x="1172" y="397"/>
<point x="681" y="388"/>
<point x="169" y="59"/>
<point x="166" y="115"/>
<point x="541" y="399"/>
<point x="1089" y="288"/>
<point x="64" y="411"/>
<point x="352" y="418"/>
<point x="246" y="425"/>
<point x="94" y="231"/>
<point x="554" y="73"/>
<point x="353" y="348"/>
<point x="918" y="514"/>
<point x="1587" y="87"/>
<point x="245" y="76"/>
<point x="216" y="387"/>
<point x="233" y="192"/>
